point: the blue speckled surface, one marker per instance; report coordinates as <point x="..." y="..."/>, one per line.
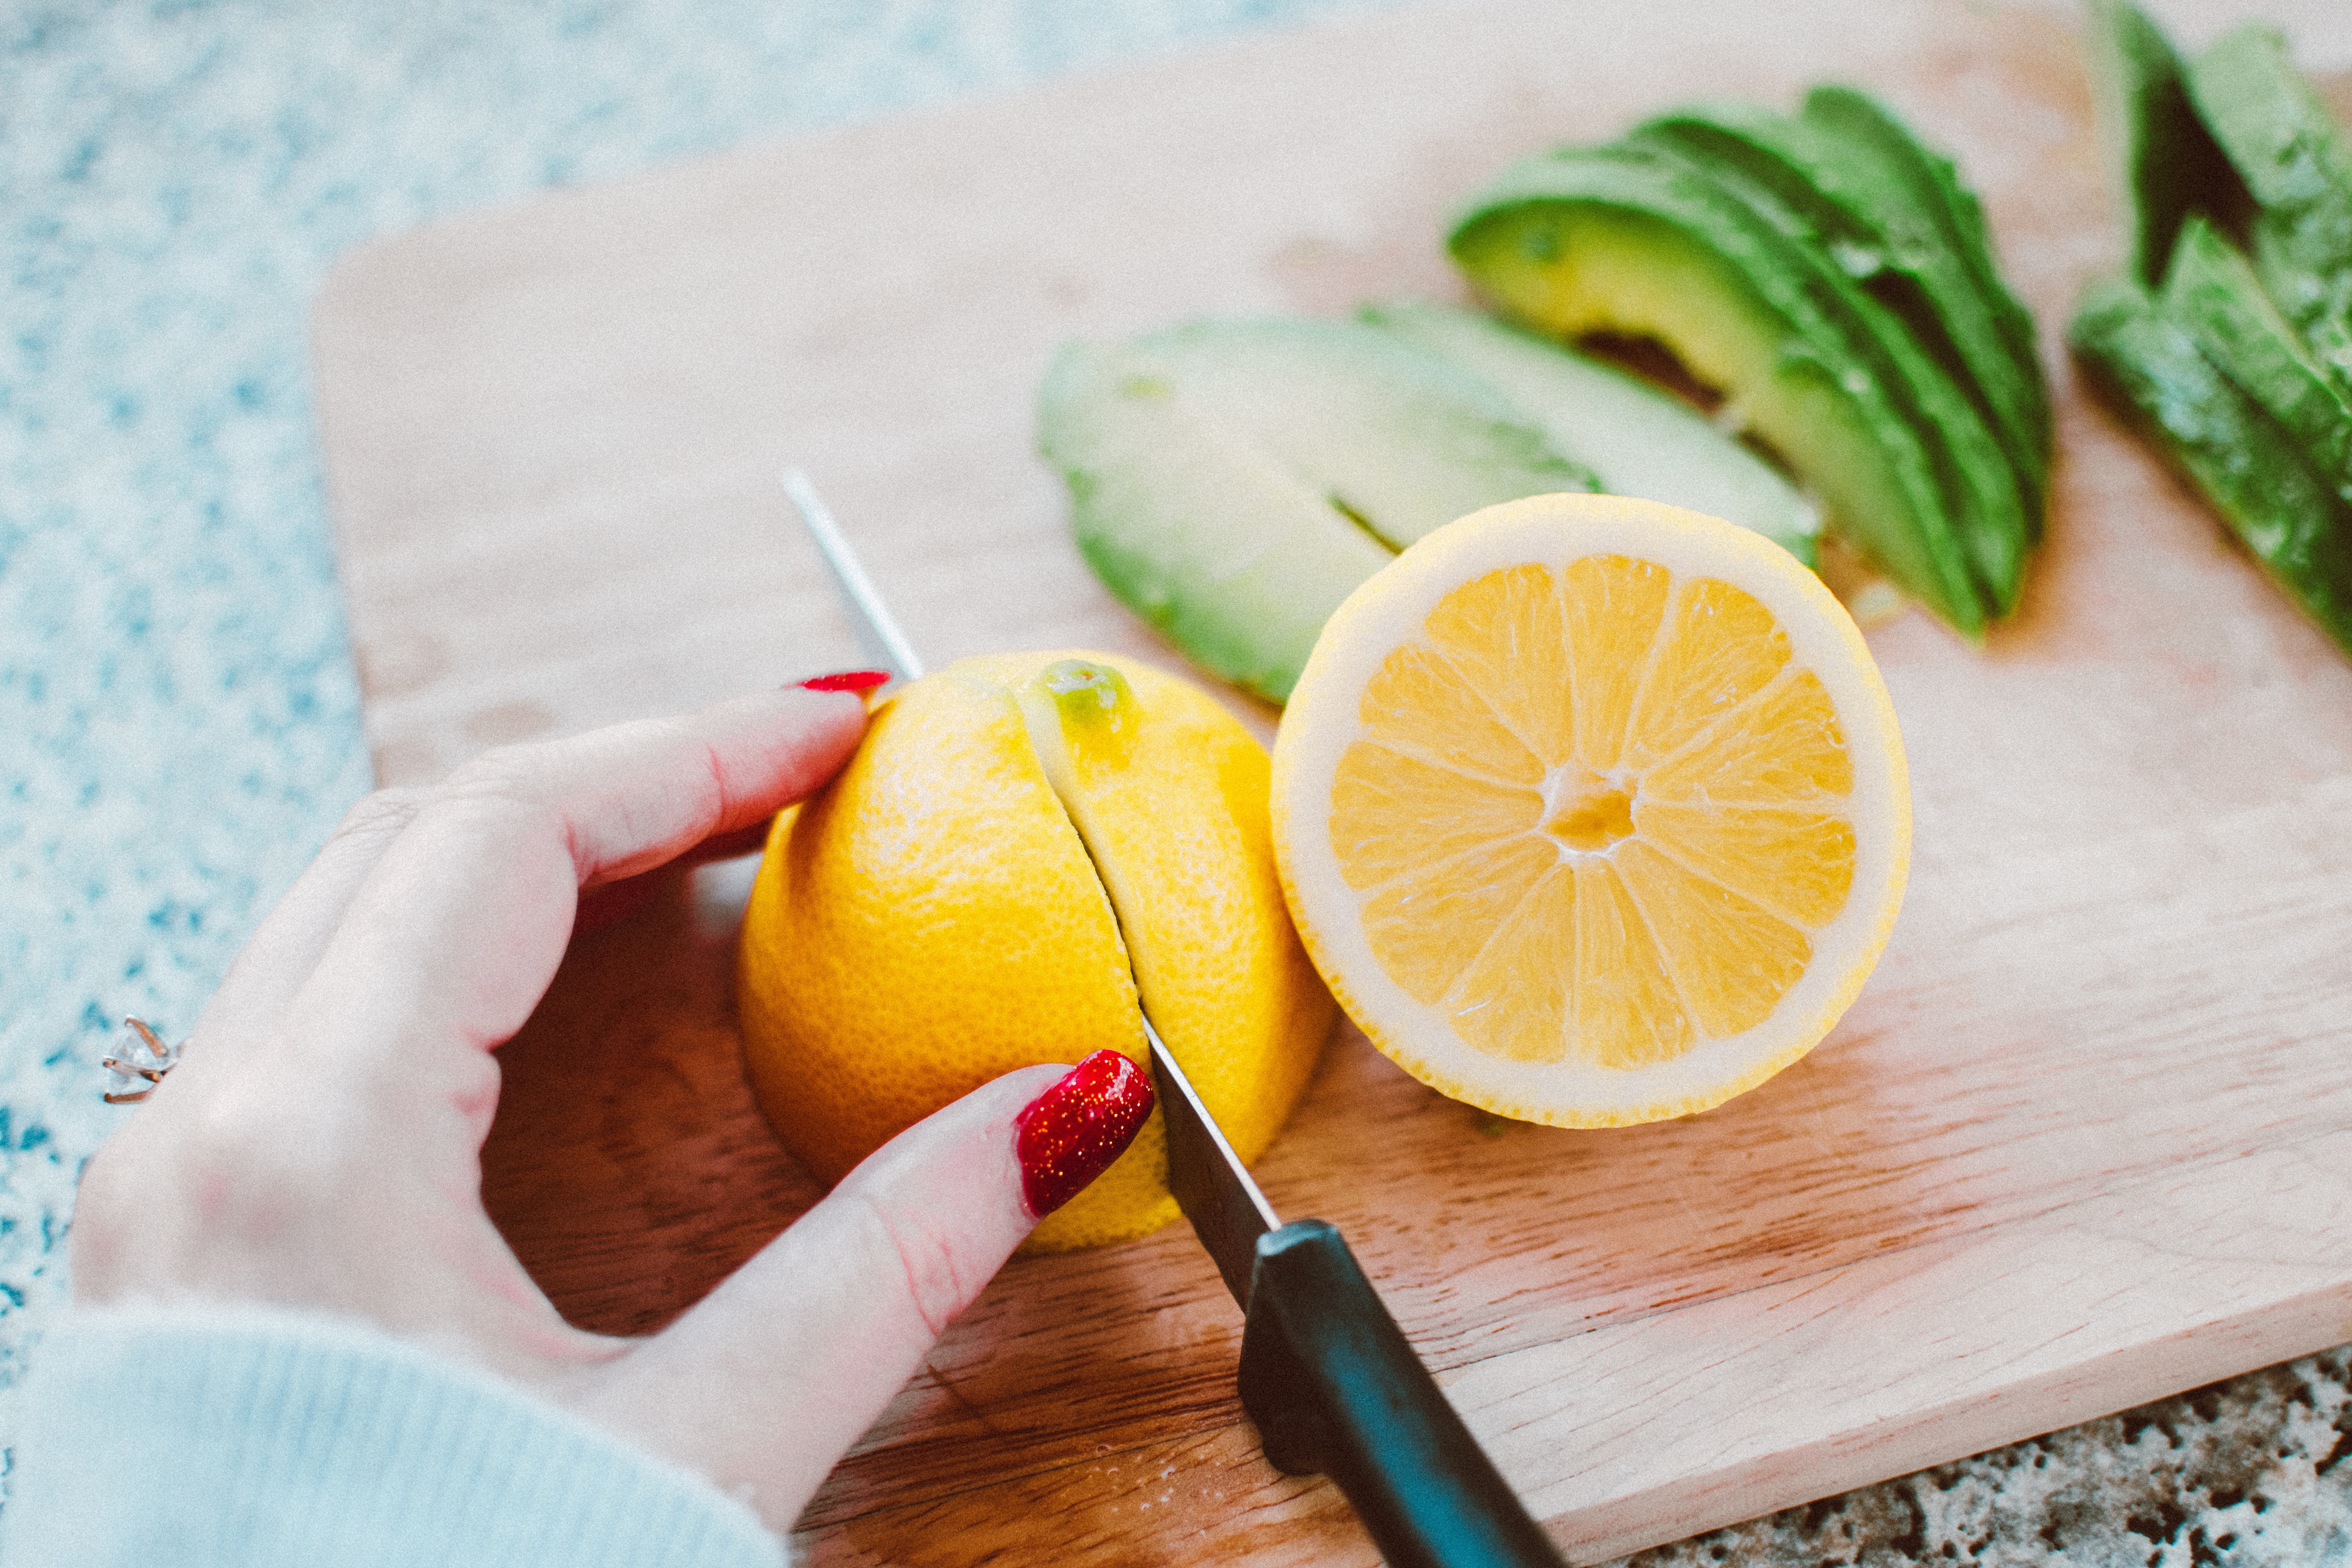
<point x="179" y="721"/>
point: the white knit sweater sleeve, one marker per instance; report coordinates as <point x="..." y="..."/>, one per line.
<point x="262" y="1439"/>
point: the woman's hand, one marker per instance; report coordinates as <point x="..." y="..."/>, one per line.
<point x="319" y="1148"/>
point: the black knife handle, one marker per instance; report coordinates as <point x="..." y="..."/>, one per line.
<point x="1335" y="1390"/>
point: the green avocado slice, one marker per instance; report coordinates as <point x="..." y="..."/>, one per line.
<point x="1576" y="242"/>
<point x="2211" y="292"/>
<point x="1983" y="496"/>
<point x="1888" y="229"/>
<point x="1934" y="180"/>
<point x="1637" y="440"/>
<point x="2250" y="468"/>
<point x="2296" y="164"/>
<point x="1233" y="481"/>
<point x="2164" y="162"/>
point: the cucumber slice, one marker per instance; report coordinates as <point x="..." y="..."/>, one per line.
<point x="2211" y="292"/>
<point x="1886" y="224"/>
<point x="2318" y="301"/>
<point x="2164" y="162"/>
<point x="1637" y="440"/>
<point x="1575" y="242"/>
<point x="2292" y="157"/>
<point x="2251" y="471"/>
<point x="1233" y="481"/>
<point x="2296" y="164"/>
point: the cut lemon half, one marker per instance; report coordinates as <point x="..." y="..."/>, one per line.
<point x="1593" y="811"/>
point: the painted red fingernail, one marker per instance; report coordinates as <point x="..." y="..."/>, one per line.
<point x="847" y="680"/>
<point x="1069" y="1135"/>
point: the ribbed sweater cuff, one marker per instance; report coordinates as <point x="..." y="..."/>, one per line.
<point x="259" y="1439"/>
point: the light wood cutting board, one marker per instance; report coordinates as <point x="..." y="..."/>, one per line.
<point x="2086" y="1138"/>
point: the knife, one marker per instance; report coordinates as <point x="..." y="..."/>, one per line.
<point x="1330" y="1381"/>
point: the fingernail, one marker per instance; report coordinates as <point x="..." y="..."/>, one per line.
<point x="1069" y="1135"/>
<point x="847" y="680"/>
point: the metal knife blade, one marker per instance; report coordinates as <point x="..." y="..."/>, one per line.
<point x="878" y="629"/>
<point x="1215" y="1192"/>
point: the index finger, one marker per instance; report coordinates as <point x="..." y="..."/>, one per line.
<point x="455" y="933"/>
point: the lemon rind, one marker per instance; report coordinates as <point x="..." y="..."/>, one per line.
<point x="1390" y="609"/>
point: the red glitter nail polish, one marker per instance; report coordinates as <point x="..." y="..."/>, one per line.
<point x="1069" y="1135"/>
<point x="847" y="680"/>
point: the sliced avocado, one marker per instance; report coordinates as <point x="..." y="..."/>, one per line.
<point x="1637" y="440"/>
<point x="1863" y="121"/>
<point x="2250" y="468"/>
<point x="1233" y="481"/>
<point x="1575" y="242"/>
<point x="2319" y="302"/>
<point x="2211" y="292"/>
<point x="2296" y="164"/>
<point x="1890" y="232"/>
<point x="1983" y="497"/>
<point x="2165" y="163"/>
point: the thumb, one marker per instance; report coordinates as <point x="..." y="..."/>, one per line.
<point x="766" y="1383"/>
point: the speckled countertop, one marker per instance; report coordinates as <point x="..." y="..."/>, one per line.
<point x="179" y="720"/>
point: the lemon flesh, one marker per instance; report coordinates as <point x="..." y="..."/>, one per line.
<point x="1019" y="841"/>
<point x="1593" y="811"/>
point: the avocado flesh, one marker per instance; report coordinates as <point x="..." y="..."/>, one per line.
<point x="1637" y="440"/>
<point x="1232" y="482"/>
<point x="2164" y="164"/>
<point x="1893" y="240"/>
<point x="1580" y="243"/>
<point x="2252" y="471"/>
<point x="2211" y="293"/>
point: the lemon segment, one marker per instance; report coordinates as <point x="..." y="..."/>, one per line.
<point x="1593" y="811"/>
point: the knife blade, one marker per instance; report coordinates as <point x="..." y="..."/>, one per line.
<point x="876" y="628"/>
<point x="1329" y="1378"/>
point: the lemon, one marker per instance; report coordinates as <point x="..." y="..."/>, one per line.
<point x="1593" y="811"/>
<point x="1023" y="846"/>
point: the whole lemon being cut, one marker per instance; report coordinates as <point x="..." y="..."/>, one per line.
<point x="1021" y="843"/>
<point x="1593" y="811"/>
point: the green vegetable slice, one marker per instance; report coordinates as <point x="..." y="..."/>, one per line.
<point x="1637" y="440"/>
<point x="2211" y="292"/>
<point x="1576" y="242"/>
<point x="2252" y="471"/>
<point x="2165" y="163"/>
<point x="2296" y="164"/>
<point x="1886" y="222"/>
<point x="1983" y="496"/>
<point x="1936" y="187"/>
<point x="1233" y="481"/>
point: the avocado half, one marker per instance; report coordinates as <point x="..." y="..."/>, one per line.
<point x="1627" y="241"/>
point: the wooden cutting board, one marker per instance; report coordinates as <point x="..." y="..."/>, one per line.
<point x="2086" y="1138"/>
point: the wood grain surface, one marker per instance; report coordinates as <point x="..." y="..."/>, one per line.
<point x="2086" y="1139"/>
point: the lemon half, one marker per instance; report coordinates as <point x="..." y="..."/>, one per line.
<point x="1593" y="811"/>
<point x="1026" y="850"/>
